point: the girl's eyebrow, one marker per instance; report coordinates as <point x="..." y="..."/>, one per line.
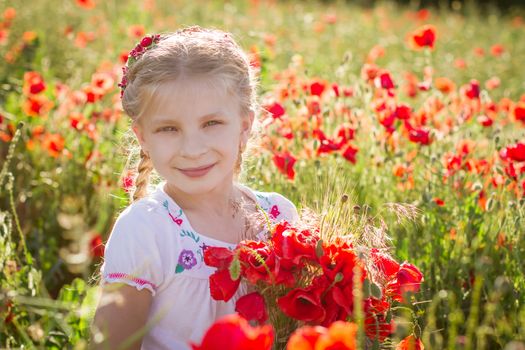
<point x="202" y="118"/>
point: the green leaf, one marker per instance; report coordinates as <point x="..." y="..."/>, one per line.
<point x="366" y="288"/>
<point x="319" y="248"/>
<point x="376" y="291"/>
<point x="179" y="268"/>
<point x="235" y="268"/>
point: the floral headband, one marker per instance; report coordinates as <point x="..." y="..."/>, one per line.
<point x="144" y="45"/>
<point x="150" y="41"/>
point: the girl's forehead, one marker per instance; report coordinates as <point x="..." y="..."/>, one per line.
<point x="192" y="97"/>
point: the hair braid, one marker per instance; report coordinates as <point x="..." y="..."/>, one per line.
<point x="145" y="167"/>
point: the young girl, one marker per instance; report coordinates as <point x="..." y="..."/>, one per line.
<point x="191" y="96"/>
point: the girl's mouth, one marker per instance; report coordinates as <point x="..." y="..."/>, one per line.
<point x="196" y="172"/>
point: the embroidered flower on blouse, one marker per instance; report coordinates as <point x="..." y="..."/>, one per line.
<point x="274" y="212"/>
<point x="186" y="260"/>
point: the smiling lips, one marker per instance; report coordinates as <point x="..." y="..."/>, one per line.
<point x="196" y="172"/>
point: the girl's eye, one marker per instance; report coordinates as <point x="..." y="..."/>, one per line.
<point x="168" y="128"/>
<point x="212" y="122"/>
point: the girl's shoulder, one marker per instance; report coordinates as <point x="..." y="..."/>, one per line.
<point x="276" y="205"/>
<point x="149" y="211"/>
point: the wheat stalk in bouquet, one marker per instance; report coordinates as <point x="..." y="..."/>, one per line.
<point x="322" y="269"/>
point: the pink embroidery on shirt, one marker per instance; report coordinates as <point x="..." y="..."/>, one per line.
<point x="139" y="281"/>
<point x="178" y="221"/>
<point x="274" y="212"/>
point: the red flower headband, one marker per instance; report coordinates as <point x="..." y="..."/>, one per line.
<point x="144" y="45"/>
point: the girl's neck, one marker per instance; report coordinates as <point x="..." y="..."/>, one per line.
<point x="217" y="201"/>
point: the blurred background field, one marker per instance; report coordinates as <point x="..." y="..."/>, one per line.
<point x="354" y="105"/>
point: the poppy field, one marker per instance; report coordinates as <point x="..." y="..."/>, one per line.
<point x="401" y="127"/>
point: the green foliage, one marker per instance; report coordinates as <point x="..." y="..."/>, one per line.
<point x="51" y="205"/>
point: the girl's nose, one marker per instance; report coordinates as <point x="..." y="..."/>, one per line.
<point x="193" y="146"/>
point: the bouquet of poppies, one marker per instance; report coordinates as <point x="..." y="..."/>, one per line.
<point x="233" y="332"/>
<point x="302" y="278"/>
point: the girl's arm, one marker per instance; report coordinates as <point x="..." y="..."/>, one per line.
<point x="122" y="313"/>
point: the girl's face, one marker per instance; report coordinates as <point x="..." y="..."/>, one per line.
<point x="192" y="131"/>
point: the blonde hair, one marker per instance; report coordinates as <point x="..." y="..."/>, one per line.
<point x="189" y="52"/>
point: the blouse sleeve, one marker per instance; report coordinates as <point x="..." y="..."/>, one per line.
<point x="283" y="208"/>
<point x="132" y="253"/>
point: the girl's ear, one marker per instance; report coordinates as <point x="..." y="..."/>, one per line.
<point x="246" y="127"/>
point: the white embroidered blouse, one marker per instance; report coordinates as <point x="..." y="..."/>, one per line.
<point x="152" y="245"/>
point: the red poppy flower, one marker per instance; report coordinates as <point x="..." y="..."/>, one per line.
<point x="445" y="85"/>
<point x="285" y="162"/>
<point x="252" y="307"/>
<point x="251" y="254"/>
<point x="313" y="105"/>
<point x="9" y="14"/>
<point x="515" y="152"/>
<point x="519" y="111"/>
<point x="388" y="122"/>
<point x="369" y="71"/>
<point x="375" y="319"/>
<point x="37" y="105"/>
<point x="33" y="83"/>
<point x="102" y="81"/>
<point x="384" y="80"/>
<point x="218" y="257"/>
<point x="292" y="245"/>
<point x="127" y="183"/>
<point x="338" y="303"/>
<point x="410" y="343"/>
<point x="305" y="338"/>
<point x="327" y="146"/>
<point x="344" y="133"/>
<point x="93" y="94"/>
<point x="424" y="36"/>
<point x="485" y="121"/>
<point x="276" y="110"/>
<point x="254" y="55"/>
<point x="222" y="286"/>
<point x="136" y="31"/>
<point x="388" y="266"/>
<point x="233" y="332"/>
<point x="96" y="246"/>
<point x="340" y="335"/>
<point x="338" y="260"/>
<point x="419" y="136"/>
<point x="403" y="111"/>
<point x="407" y="279"/>
<point x="335" y="88"/>
<point x="439" y="201"/>
<point x="303" y="304"/>
<point x="377" y="326"/>
<point x="497" y="50"/>
<point x="472" y="89"/>
<point x="54" y="144"/>
<point x="87" y="4"/>
<point x="349" y="154"/>
<point x="317" y="88"/>
<point x="493" y="83"/>
<point x="422" y="15"/>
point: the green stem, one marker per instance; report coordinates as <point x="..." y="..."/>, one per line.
<point x="9" y="186"/>
<point x="10" y="152"/>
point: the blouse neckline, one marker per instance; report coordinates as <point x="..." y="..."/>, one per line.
<point x="186" y="221"/>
